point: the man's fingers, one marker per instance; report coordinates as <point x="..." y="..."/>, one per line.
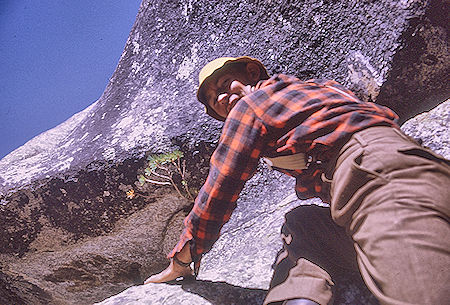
<point x="157" y="278"/>
<point x="196" y="268"/>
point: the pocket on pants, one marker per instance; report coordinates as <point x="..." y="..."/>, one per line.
<point x="352" y="185"/>
<point x="368" y="167"/>
<point x="423" y="152"/>
<point x="364" y="169"/>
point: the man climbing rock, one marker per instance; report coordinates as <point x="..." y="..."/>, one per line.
<point x="389" y="197"/>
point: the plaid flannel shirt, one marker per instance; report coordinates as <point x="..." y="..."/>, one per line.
<point x="282" y="116"/>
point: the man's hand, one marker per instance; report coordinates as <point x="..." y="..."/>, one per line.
<point x="170" y="273"/>
<point x="175" y="270"/>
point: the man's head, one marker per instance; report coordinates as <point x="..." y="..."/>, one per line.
<point x="225" y="80"/>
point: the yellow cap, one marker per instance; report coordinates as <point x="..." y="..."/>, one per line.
<point x="211" y="67"/>
<point x="214" y="66"/>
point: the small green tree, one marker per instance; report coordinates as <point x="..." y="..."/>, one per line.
<point x="161" y="170"/>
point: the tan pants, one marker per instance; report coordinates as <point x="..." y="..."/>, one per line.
<point x="389" y="220"/>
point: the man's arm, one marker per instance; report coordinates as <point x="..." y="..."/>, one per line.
<point x="232" y="164"/>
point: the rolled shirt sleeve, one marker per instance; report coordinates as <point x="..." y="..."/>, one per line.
<point x="233" y="162"/>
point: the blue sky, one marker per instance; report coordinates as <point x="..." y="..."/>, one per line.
<point x="56" y="58"/>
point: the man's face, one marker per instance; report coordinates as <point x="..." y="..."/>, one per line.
<point x="225" y="89"/>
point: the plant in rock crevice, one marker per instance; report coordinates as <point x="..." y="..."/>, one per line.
<point x="162" y="169"/>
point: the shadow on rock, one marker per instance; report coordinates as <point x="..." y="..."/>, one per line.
<point x="222" y="293"/>
<point x="350" y="290"/>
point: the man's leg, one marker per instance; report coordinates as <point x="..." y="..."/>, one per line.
<point x="394" y="199"/>
<point x="315" y="250"/>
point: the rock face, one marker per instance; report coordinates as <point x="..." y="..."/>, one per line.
<point x="69" y="233"/>
<point x="237" y="270"/>
<point x="432" y="128"/>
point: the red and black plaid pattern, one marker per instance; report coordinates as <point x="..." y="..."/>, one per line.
<point x="282" y="116"/>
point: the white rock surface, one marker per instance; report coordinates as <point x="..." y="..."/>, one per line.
<point x="433" y="128"/>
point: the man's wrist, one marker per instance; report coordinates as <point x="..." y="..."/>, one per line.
<point x="181" y="263"/>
